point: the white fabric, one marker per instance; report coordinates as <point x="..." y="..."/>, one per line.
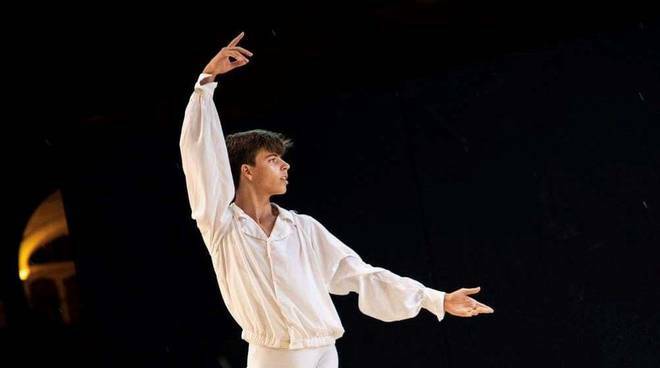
<point x="320" y="357"/>
<point x="278" y="287"/>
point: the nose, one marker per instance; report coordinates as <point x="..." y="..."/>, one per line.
<point x="286" y="165"/>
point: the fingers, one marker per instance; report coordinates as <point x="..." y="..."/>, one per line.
<point x="473" y="308"/>
<point x="237" y="39"/>
<point x="476" y="308"/>
<point x="470" y="291"/>
<point x="484" y="307"/>
<point x="478" y="311"/>
<point x="236" y="55"/>
<point x="238" y="63"/>
<point x="241" y="50"/>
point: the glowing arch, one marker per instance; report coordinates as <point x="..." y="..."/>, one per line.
<point x="48" y="222"/>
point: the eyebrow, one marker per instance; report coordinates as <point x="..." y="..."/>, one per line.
<point x="272" y="154"/>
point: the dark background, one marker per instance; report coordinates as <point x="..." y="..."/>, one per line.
<point x="510" y="146"/>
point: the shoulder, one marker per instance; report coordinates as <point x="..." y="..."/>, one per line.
<point x="305" y="220"/>
<point x="308" y="222"/>
<point x="304" y="217"/>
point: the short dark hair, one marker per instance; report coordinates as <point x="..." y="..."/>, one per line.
<point x="243" y="147"/>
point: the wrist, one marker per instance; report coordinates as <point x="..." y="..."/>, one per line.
<point x="434" y="301"/>
<point x="207" y="77"/>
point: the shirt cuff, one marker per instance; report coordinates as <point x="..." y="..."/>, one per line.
<point x="207" y="87"/>
<point x="434" y="301"/>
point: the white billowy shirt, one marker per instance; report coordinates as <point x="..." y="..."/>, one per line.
<point x="278" y="287"/>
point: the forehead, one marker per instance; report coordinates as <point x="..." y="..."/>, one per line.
<point x="264" y="154"/>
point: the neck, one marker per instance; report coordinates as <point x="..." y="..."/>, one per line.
<point x="254" y="204"/>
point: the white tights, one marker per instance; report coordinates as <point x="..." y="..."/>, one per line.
<point x="321" y="357"/>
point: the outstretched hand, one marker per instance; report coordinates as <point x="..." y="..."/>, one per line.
<point x="228" y="58"/>
<point x="460" y="304"/>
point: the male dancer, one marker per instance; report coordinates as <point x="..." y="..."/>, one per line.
<point x="276" y="268"/>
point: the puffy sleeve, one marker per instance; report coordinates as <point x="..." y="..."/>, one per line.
<point x="205" y="163"/>
<point x="382" y="294"/>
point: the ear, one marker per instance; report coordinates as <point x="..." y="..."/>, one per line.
<point x="246" y="171"/>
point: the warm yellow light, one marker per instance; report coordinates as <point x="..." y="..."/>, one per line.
<point x="37" y="238"/>
<point x="24" y="274"/>
<point x="48" y="222"/>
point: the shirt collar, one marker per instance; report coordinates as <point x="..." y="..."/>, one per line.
<point x="284" y="213"/>
<point x="250" y="227"/>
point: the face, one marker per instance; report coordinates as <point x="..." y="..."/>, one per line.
<point x="269" y="174"/>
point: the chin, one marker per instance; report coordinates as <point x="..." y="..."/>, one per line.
<point x="280" y="191"/>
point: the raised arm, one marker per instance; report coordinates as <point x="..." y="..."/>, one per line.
<point x="203" y="149"/>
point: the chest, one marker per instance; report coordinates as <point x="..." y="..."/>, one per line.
<point x="267" y="225"/>
<point x="285" y="254"/>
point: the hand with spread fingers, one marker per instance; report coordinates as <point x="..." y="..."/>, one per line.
<point x="460" y="304"/>
<point x="228" y="58"/>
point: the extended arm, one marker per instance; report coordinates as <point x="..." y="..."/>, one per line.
<point x="383" y="294"/>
